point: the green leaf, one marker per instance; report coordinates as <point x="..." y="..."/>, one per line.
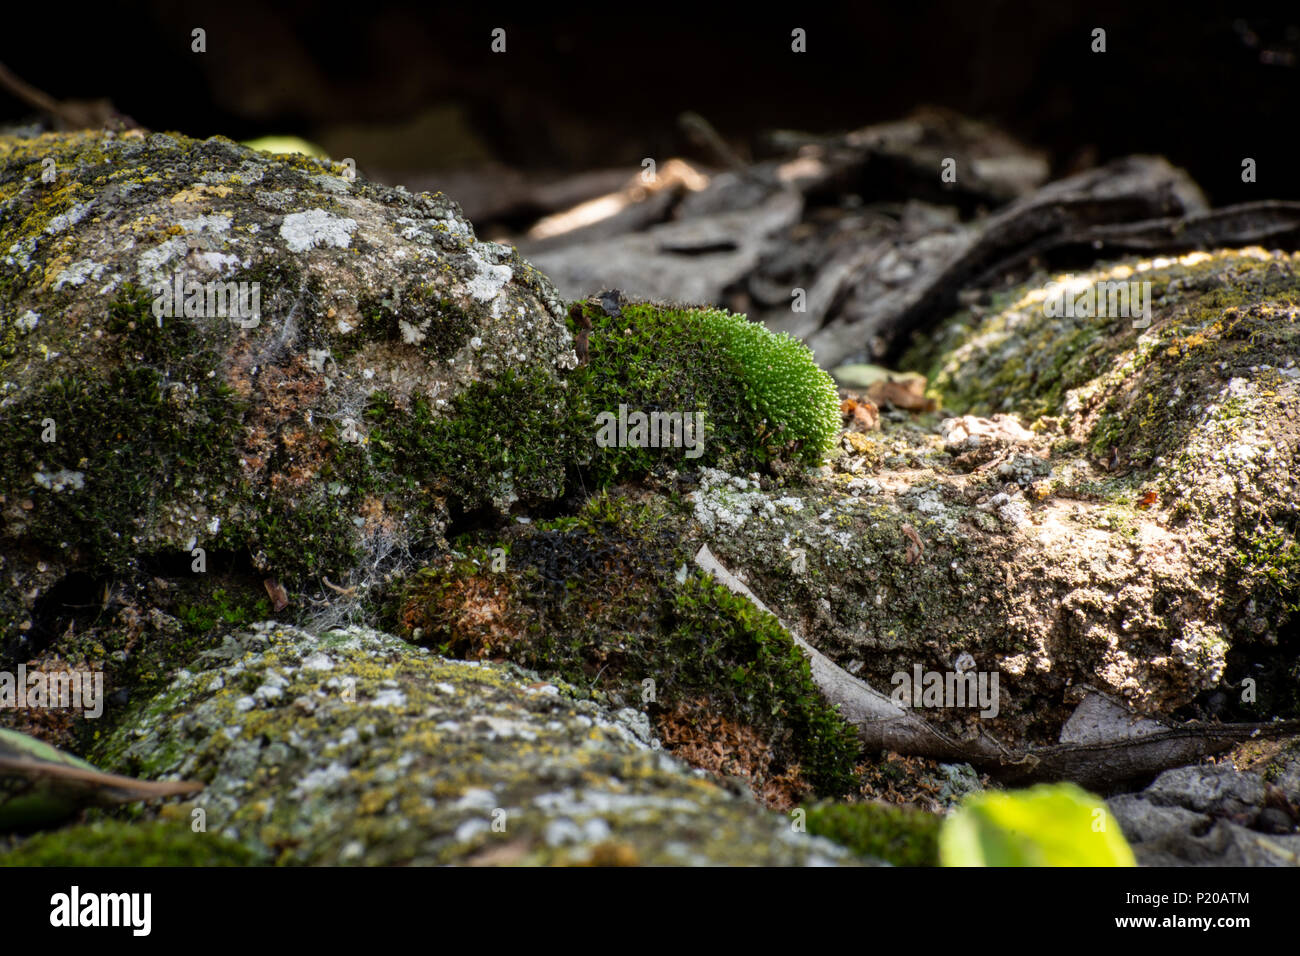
<point x="14" y="744"/>
<point x="1047" y="825"/>
<point x="40" y="785"/>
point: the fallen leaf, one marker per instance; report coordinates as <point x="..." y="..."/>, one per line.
<point x="907" y="392"/>
<point x="915" y="547"/>
<point x="862" y="416"/>
<point x="279" y="596"/>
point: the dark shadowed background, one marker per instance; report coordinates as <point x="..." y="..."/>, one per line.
<point x="414" y="87"/>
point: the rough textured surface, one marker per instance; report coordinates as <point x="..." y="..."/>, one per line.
<point x="1094" y="505"/>
<point x="377" y="307"/>
<point x="1140" y="528"/>
<point x="1181" y="439"/>
<point x="1117" y="512"/>
<point x="610" y="599"/>
<point x="354" y="747"/>
<point x="1216" y="815"/>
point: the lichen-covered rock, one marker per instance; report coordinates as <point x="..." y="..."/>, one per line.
<point x="206" y="347"/>
<point x="214" y="356"/>
<point x="1180" y="433"/>
<point x="1141" y="528"/>
<point x="354" y="747"/>
<point x="1120" y="517"/>
<point x="169" y="471"/>
<point x="1097" y="504"/>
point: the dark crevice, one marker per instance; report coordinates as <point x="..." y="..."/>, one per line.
<point x="76" y="599"/>
<point x="463" y="521"/>
<point x="1275" y="671"/>
<point x="180" y="564"/>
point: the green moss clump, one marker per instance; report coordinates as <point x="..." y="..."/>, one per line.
<point x="897" y="835"/>
<point x="305" y="539"/>
<point x="783" y="383"/>
<point x="118" y="843"/>
<point x="761" y="394"/>
<point x="1269" y="561"/>
<point x="769" y="672"/>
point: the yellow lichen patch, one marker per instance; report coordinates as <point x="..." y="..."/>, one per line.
<point x="196" y="194"/>
<point x="54" y="269"/>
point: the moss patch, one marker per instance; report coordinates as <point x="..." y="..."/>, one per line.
<point x="156" y="418"/>
<point x="423" y="317"/>
<point x="607" y="603"/>
<point x="762" y="395"/>
<point x="223" y="609"/>
<point x="120" y="843"/>
<point x="897" y="835"/>
<point x="495" y="445"/>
